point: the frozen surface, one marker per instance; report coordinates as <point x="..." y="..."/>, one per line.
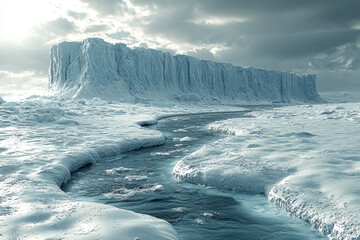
<point x="94" y="68"/>
<point x="304" y="158"/>
<point x="43" y="139"/>
<point x="224" y="214"/>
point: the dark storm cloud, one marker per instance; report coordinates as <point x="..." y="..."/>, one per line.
<point x="172" y="25"/>
<point x="345" y="58"/>
<point x="285" y="28"/>
<point x="280" y="28"/>
<point x="303" y="44"/>
<point x="329" y="11"/>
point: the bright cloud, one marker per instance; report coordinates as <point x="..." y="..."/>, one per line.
<point x="19" y="16"/>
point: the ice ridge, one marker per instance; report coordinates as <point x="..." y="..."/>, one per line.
<point x="95" y="68"/>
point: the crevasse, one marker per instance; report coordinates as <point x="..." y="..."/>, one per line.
<point x="95" y="68"/>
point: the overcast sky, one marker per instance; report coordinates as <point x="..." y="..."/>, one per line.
<point x="307" y="36"/>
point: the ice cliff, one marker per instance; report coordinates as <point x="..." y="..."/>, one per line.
<point x="95" y="68"/>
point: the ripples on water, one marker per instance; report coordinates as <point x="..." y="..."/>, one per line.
<point x="141" y="181"/>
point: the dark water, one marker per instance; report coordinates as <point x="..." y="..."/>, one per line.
<point x="142" y="181"/>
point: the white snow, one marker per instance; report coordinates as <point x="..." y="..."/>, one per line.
<point x="44" y="139"/>
<point x="94" y="68"/>
<point x="304" y="158"/>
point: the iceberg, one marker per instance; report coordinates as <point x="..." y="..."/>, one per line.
<point x="95" y="68"/>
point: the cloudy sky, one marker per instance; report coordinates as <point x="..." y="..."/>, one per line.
<point x="307" y="36"/>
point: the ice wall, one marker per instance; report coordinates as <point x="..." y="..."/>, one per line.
<point x="95" y="68"/>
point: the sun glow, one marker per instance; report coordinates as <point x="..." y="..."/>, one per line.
<point x="17" y="17"/>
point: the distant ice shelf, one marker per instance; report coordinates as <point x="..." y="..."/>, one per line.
<point x="95" y="68"/>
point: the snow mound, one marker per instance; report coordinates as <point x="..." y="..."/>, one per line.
<point x="42" y="141"/>
<point x="217" y="166"/>
<point x="95" y="68"/>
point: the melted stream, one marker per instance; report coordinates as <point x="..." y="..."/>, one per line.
<point x="142" y="181"/>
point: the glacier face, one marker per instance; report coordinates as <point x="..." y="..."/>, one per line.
<point x="95" y="68"/>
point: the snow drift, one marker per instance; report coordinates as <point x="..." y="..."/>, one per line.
<point x="95" y="68"/>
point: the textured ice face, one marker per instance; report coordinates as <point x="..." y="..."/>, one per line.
<point x="94" y="68"/>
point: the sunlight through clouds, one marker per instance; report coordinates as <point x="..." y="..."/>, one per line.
<point x="19" y="16"/>
<point x="283" y="36"/>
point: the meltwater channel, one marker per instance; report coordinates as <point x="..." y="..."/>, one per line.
<point x="142" y="181"/>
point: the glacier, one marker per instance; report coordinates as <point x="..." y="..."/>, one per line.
<point x="95" y="68"/>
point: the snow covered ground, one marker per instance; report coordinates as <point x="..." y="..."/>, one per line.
<point x="304" y="158"/>
<point x="44" y="139"/>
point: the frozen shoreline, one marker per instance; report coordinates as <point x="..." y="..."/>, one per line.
<point x="304" y="158"/>
<point x="44" y="139"/>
